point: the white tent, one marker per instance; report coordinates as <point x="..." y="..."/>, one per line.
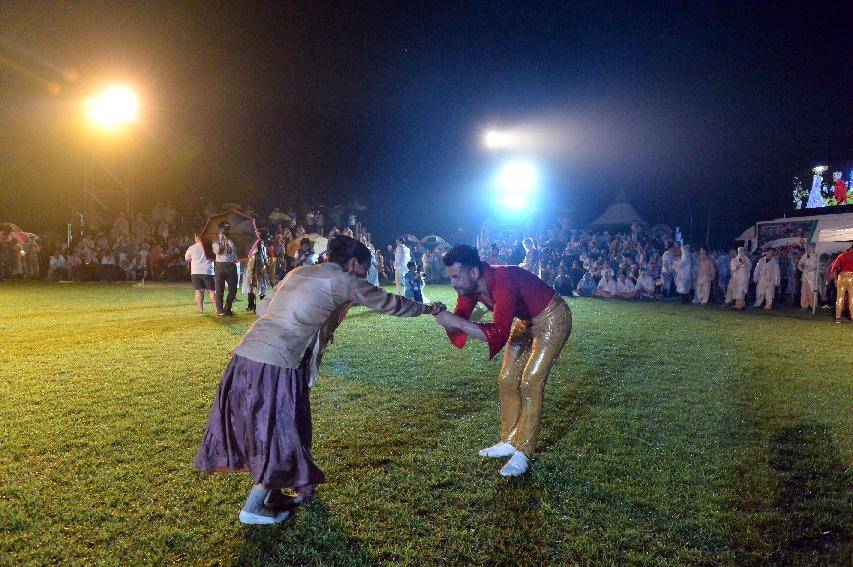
<point x="619" y="213"/>
<point x="829" y="233"/>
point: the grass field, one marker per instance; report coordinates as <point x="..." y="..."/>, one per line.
<point x="673" y="435"/>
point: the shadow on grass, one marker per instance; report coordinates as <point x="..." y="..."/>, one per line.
<point x="813" y="502"/>
<point x="572" y="407"/>
<point x="522" y="535"/>
<point x="313" y="537"/>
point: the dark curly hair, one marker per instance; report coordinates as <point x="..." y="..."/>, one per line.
<point x="463" y="254"/>
<point x="341" y="248"/>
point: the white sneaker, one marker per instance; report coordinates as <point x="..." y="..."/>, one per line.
<point x="498" y="450"/>
<point x="252" y="518"/>
<point x="516" y="466"/>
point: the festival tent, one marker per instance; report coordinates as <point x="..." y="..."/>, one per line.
<point x="829" y="233"/>
<point x="619" y="214"/>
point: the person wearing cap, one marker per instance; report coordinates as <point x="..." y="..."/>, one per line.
<point x="533" y="342"/>
<point x="225" y="269"/>
<point x="844" y="283"/>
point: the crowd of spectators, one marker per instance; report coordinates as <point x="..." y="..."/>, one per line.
<point x="633" y="264"/>
<point x="152" y="244"/>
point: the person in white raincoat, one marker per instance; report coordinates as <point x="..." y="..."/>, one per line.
<point x="766" y="278"/>
<point x="741" y="267"/>
<point x="808" y="266"/>
<point x="683" y="274"/>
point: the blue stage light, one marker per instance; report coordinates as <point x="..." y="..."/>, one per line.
<point x="516" y="182"/>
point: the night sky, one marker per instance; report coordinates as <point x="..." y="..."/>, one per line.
<point x="711" y="108"/>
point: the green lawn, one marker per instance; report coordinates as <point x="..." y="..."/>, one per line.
<point x="673" y="435"/>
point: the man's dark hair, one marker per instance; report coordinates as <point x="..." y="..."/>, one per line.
<point x="305" y="241"/>
<point x="463" y="254"/>
<point x="410" y="264"/>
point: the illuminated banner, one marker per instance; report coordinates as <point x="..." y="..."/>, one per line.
<point x="788" y="232"/>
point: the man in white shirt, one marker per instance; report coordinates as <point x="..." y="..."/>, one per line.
<point x="606" y="285"/>
<point x="402" y="257"/>
<point x="766" y="278"/>
<point x="645" y="287"/>
<point x="624" y="287"/>
<point x="201" y="273"/>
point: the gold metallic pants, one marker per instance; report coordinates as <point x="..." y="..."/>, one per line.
<point x="843" y="284"/>
<point x="532" y="348"/>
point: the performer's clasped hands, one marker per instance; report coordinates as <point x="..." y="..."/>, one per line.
<point x="436" y="307"/>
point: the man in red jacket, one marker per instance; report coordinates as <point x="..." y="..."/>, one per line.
<point x="533" y="343"/>
<point x="844" y="284"/>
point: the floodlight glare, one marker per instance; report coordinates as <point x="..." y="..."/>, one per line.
<point x="515" y="202"/>
<point x="516" y="182"/>
<point x="518" y="177"/>
<point x="494" y="139"/>
<point x="114" y="107"/>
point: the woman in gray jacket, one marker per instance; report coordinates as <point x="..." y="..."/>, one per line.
<point x="261" y="419"/>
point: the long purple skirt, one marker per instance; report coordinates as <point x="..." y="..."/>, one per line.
<point x="261" y="423"/>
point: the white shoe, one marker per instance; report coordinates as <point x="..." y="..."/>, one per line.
<point x="516" y="466"/>
<point x="252" y="518"/>
<point x="498" y="450"/>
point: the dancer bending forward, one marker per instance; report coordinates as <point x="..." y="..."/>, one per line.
<point x="533" y="343"/>
<point x="261" y="419"/>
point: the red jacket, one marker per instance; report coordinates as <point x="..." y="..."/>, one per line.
<point x="515" y="293"/>
<point x="843" y="263"/>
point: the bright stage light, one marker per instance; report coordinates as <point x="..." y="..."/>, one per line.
<point x="518" y="177"/>
<point x="515" y="202"/>
<point x="516" y="182"/>
<point x="114" y="107"/>
<point x="494" y="139"/>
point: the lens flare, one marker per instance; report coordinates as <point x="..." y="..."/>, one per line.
<point x="114" y="107"/>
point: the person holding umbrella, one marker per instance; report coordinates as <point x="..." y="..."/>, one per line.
<point x="225" y="269"/>
<point x="260" y="421"/>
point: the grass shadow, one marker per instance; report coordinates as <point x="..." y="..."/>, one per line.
<point x="520" y="508"/>
<point x="572" y="408"/>
<point x="312" y="537"/>
<point x="813" y="501"/>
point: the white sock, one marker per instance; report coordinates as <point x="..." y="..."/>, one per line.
<point x="516" y="466"/>
<point x="498" y="450"/>
<point x="256" y="499"/>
